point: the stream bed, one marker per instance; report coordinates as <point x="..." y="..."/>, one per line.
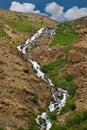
<point x="58" y="95"/>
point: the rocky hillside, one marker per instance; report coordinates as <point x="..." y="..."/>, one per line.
<point x="64" y="58"/>
<point x="22" y="93"/>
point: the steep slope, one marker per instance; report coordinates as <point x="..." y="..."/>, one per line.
<point x="14" y="25"/>
<point x="63" y="58"/>
<point x="70" y="66"/>
<point x="20" y="89"/>
<point x="77" y="63"/>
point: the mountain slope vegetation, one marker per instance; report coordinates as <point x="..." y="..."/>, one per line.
<point x="63" y="58"/>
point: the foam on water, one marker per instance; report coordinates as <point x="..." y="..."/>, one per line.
<point x="57" y="102"/>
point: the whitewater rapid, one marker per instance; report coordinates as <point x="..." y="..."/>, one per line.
<point x="59" y="95"/>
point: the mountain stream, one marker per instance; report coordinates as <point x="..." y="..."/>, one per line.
<point x="59" y="95"/>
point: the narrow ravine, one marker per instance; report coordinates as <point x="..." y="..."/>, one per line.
<point x="59" y="95"/>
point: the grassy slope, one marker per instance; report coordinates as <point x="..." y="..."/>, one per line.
<point x="77" y="121"/>
<point x="65" y="35"/>
<point x="24" y="26"/>
<point x="17" y="26"/>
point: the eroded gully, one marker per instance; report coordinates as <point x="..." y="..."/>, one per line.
<point x="59" y="95"/>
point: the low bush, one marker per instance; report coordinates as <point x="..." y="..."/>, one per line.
<point x="71" y="88"/>
<point x="52" y="115"/>
<point x="70" y="105"/>
<point x="69" y="77"/>
<point x="81" y="126"/>
<point x="61" y="82"/>
<point x="58" y="127"/>
<point x="76" y="119"/>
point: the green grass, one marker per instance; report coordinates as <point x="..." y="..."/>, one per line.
<point x="81" y="126"/>
<point x="65" y="35"/>
<point x="32" y="122"/>
<point x="52" y="68"/>
<point x="63" y="81"/>
<point x="70" y="105"/>
<point x="75" y="119"/>
<point x="24" y="26"/>
<point x="52" y="115"/>
<point x="58" y="127"/>
<point x="4" y="34"/>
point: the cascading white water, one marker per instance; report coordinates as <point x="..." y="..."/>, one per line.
<point x="59" y="95"/>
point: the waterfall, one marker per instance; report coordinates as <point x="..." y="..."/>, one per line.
<point x="59" y="95"/>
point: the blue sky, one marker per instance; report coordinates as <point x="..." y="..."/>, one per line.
<point x="60" y="10"/>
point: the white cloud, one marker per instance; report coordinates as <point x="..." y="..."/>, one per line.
<point x="75" y="13"/>
<point x="25" y="7"/>
<point x="57" y="12"/>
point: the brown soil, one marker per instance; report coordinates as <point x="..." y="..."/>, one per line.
<point x="21" y="91"/>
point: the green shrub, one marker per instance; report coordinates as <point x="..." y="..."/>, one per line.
<point x="61" y="82"/>
<point x="71" y="88"/>
<point x="52" y="115"/>
<point x="41" y="110"/>
<point x="76" y="119"/>
<point x="2" y="33"/>
<point x="70" y="105"/>
<point x="69" y="77"/>
<point x="1" y="129"/>
<point x="58" y="127"/>
<point x="48" y="100"/>
<point x="32" y="122"/>
<point x="85" y="115"/>
<point x="81" y="126"/>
